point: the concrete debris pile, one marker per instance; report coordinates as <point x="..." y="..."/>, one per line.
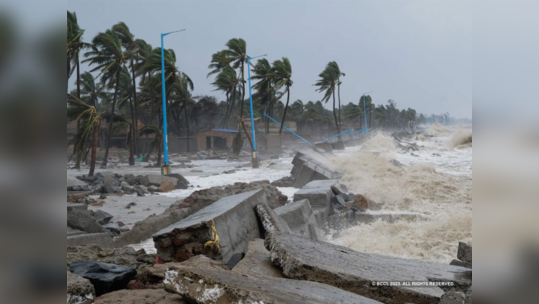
<point x="110" y="183"/>
<point x="196" y="201"/>
<point x="309" y="166"/>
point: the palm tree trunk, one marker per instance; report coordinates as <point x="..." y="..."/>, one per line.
<point x="77" y="164"/>
<point x="286" y="107"/>
<point x="111" y="121"/>
<point x="186" y="124"/>
<point x="225" y="120"/>
<point x="159" y="143"/>
<point x="340" y="119"/>
<point x="335" y="115"/>
<point x="132" y="144"/>
<point x="233" y="103"/>
<point x="94" y="147"/>
<point x="243" y="89"/>
<point x="370" y="115"/>
<point x="135" y="119"/>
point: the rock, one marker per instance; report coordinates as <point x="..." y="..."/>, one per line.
<point x="139" y="190"/>
<point x="303" y="259"/>
<point x="79" y="290"/>
<point x="286" y="181"/>
<point x="364" y="203"/>
<point x="120" y="223"/>
<point x="107" y="188"/>
<point x="465" y="253"/>
<point x="257" y="261"/>
<point x="76" y="207"/>
<point x="102" y="217"/>
<point x="77" y="237"/>
<point x="114" y="228"/>
<point x="233" y="219"/>
<point x="125" y="256"/>
<point x="128" y="206"/>
<point x="283" y="199"/>
<point x="396" y="163"/>
<point x="105" y="277"/>
<point x="83" y="220"/>
<point x="147" y="258"/>
<point x="114" y="182"/>
<point x="166" y="186"/>
<point x="206" y="284"/>
<point x="182" y="182"/>
<point x="143" y="296"/>
<point x="339" y="201"/>
<point x="157" y="180"/>
<point x="338" y="145"/>
<point x="453" y="297"/>
<point x="336" y="191"/>
<point x="229" y="172"/>
<point x="152" y="189"/>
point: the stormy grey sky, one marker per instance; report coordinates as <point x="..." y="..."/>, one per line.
<point x="418" y="53"/>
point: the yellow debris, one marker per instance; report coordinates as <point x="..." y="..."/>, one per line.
<point x="215" y="238"/>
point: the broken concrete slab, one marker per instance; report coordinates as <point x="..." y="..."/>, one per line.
<point x="102" y="239"/>
<point x="76" y="206"/>
<point x="309" y="166"/>
<point x="143" y="296"/>
<point x="257" y="261"/>
<point x="270" y="220"/>
<point x="319" y="198"/>
<point x="328" y="183"/>
<point x="298" y="215"/>
<point x="460" y="263"/>
<point x="204" y="284"/>
<point x="79" y="289"/>
<point x="465" y="253"/>
<point x="218" y="231"/>
<point x="359" y="273"/>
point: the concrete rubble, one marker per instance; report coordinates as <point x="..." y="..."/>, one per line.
<point x="357" y="272"/>
<point x="309" y="166"/>
<point x="79" y="290"/>
<point x="300" y="219"/>
<point x="217" y="231"/>
<point x="257" y="261"/>
<point x="464" y="256"/>
<point x="144" y="296"/>
<point x="204" y="283"/>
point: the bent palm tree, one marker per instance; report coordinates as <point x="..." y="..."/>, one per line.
<point x="108" y="55"/>
<point x="283" y="75"/>
<point x="327" y="82"/>
<point x="237" y="54"/>
<point x="262" y="72"/>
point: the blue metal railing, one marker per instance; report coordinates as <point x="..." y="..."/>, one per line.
<point x="285" y="127"/>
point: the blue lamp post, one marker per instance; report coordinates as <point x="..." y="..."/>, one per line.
<point x="364" y="111"/>
<point x="255" y="161"/>
<point x="165" y="168"/>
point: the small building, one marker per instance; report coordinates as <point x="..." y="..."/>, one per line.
<point x="216" y="139"/>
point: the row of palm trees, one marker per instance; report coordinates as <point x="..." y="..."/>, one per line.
<point x="127" y="89"/>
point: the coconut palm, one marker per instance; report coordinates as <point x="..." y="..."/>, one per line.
<point x="237" y="54"/>
<point x="327" y="82"/>
<point x="227" y="81"/>
<point x="92" y="91"/>
<point x="219" y="61"/>
<point x="109" y="57"/>
<point x="368" y="103"/>
<point x="91" y="118"/>
<point x="282" y="71"/>
<point x="262" y="71"/>
<point x="133" y="46"/>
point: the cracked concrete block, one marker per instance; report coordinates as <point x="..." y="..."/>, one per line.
<point x="359" y="273"/>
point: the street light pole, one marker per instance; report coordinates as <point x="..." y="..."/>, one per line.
<point x="364" y="111"/>
<point x="255" y="161"/>
<point x="165" y="168"/>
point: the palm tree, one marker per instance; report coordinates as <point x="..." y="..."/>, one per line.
<point x="283" y="77"/>
<point x="219" y="61"/>
<point x="108" y="55"/>
<point x="79" y="110"/>
<point x="237" y="54"/>
<point x="227" y="81"/>
<point x="380" y="113"/>
<point x="132" y="45"/>
<point x="91" y="91"/>
<point x="262" y="71"/>
<point x="327" y="82"/>
<point x="74" y="47"/>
